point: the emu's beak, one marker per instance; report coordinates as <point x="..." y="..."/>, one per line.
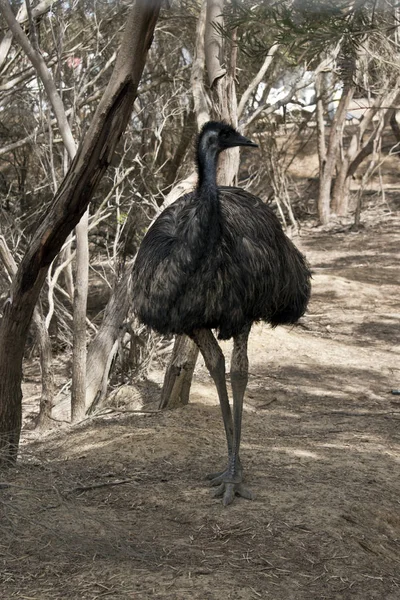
<point x="240" y="140"/>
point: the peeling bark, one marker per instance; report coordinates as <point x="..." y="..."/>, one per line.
<point x="213" y="46"/>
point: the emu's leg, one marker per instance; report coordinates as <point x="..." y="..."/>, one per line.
<point x="215" y="363"/>
<point x="230" y="482"/>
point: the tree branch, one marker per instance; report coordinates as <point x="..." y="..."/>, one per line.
<point x="47" y="79"/>
<point x="22" y="16"/>
<point x="257" y="79"/>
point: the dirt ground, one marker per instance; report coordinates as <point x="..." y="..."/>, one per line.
<point x="118" y="508"/>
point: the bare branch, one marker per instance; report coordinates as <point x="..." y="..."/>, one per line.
<point x="257" y="79"/>
<point x="267" y="109"/>
<point x="22" y="16"/>
<point x="37" y="134"/>
<point x="41" y="68"/>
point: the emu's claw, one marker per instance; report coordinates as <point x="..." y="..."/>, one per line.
<point x="228" y="491"/>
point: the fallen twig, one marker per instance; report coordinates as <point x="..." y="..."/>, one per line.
<point x="93" y="486"/>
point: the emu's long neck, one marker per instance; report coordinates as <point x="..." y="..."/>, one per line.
<point x="207" y="160"/>
<point x="198" y="230"/>
<point x="207" y="209"/>
<point x="201" y="225"/>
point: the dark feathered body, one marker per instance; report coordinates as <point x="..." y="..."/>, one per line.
<point x="218" y="259"/>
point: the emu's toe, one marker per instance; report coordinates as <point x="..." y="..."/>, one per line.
<point x="228" y="491"/>
<point x="229" y="483"/>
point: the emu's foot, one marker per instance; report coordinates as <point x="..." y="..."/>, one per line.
<point x="229" y="484"/>
<point x="228" y="491"/>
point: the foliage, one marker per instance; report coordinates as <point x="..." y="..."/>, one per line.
<point x="309" y="29"/>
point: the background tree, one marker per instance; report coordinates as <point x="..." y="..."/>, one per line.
<point x="68" y="207"/>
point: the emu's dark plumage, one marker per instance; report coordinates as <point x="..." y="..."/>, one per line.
<point x="245" y="269"/>
<point x="218" y="259"/>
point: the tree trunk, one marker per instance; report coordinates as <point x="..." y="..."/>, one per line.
<point x="46" y="365"/>
<point x="201" y="102"/>
<point x="209" y="49"/>
<point x="78" y="389"/>
<point x="341" y="191"/>
<point x="200" y="99"/>
<point x="70" y="203"/>
<point x="394" y="125"/>
<point x="327" y="167"/>
<point x="11" y="356"/>
<point x="44" y="343"/>
<point x="321" y="141"/>
<point x="178" y="377"/>
<point x="359" y="148"/>
<point x="102" y="345"/>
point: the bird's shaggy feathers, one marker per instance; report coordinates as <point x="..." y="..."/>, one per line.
<point x="219" y="264"/>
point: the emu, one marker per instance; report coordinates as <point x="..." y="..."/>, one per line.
<point x="217" y="258"/>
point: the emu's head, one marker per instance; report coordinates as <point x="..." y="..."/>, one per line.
<point x="216" y="136"/>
